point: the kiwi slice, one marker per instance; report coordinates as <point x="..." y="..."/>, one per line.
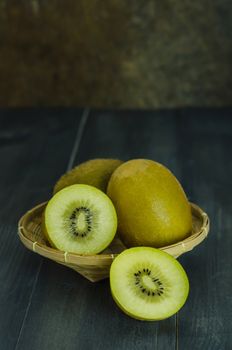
<point x="80" y="219"/>
<point x="94" y="172"/>
<point x="148" y="284"/>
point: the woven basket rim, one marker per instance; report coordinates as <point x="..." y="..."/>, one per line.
<point x="72" y="258"/>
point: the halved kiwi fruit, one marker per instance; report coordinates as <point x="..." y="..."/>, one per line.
<point x="148" y="284"/>
<point x="80" y="219"/>
<point x="94" y="172"/>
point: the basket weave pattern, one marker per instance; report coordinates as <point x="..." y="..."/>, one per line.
<point x="96" y="267"/>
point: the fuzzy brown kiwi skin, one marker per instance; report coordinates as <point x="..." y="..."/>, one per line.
<point x="94" y="172"/>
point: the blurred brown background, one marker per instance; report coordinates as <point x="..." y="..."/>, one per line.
<point x="116" y="53"/>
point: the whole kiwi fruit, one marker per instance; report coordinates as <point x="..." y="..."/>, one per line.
<point x="151" y="205"/>
<point x="94" y="172"/>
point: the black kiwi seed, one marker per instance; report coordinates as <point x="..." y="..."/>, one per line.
<point x="149" y="292"/>
<point x="88" y="219"/>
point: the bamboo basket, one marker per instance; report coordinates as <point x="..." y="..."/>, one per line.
<point x="96" y="267"/>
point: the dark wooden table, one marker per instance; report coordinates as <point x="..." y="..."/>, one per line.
<point x="44" y="305"/>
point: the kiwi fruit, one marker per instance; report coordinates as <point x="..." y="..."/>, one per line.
<point x="80" y="219"/>
<point x="148" y="284"/>
<point x="94" y="172"/>
<point x="151" y="205"/>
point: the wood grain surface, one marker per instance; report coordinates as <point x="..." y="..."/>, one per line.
<point x="44" y="305"/>
<point x="34" y="149"/>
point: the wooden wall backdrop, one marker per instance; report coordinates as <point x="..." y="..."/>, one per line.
<point x="116" y="53"/>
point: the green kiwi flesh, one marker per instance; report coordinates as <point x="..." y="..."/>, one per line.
<point x="94" y="172"/>
<point x="80" y="219"/>
<point x="148" y="284"/>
